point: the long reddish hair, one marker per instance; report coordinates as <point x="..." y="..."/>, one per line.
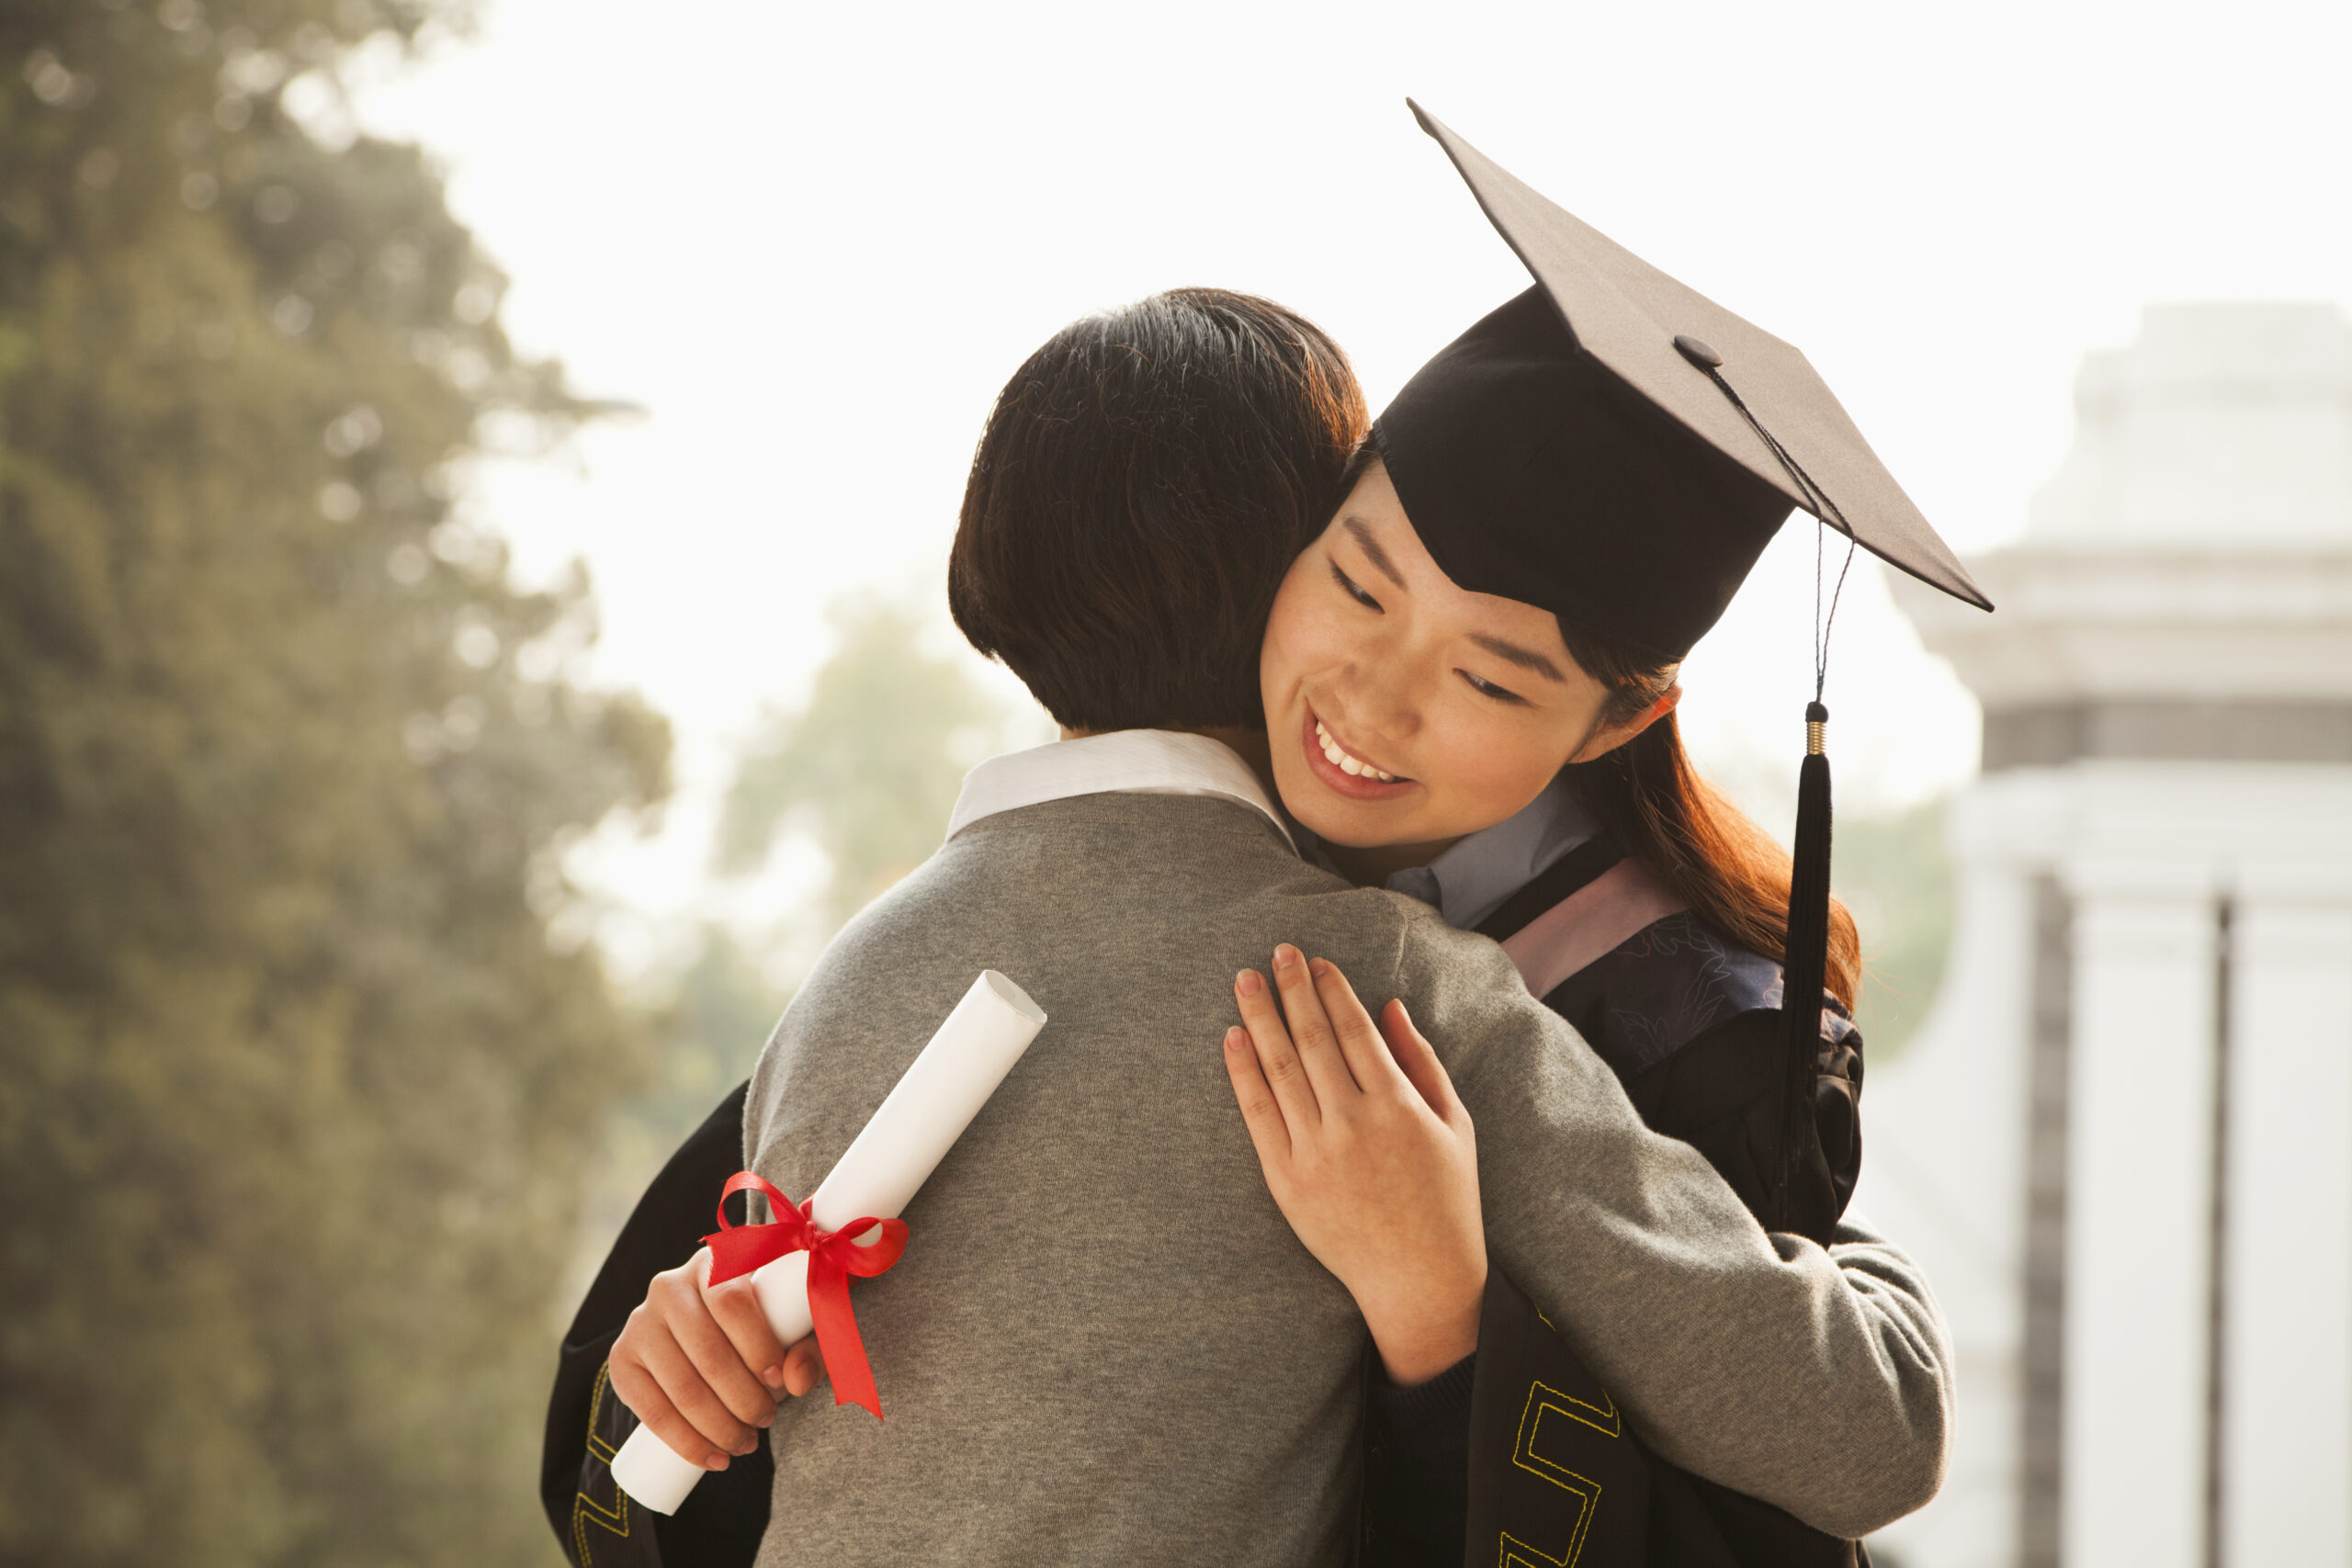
<point x="1682" y="829"/>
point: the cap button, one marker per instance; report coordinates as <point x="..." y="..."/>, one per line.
<point x="1697" y="351"/>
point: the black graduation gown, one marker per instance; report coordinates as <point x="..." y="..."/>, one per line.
<point x="1690" y="1023"/>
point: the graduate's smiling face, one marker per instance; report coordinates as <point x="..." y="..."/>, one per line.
<point x="1404" y="711"/>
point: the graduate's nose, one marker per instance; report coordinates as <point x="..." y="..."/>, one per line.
<point x="1379" y="709"/>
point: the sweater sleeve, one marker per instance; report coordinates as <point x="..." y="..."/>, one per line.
<point x="1818" y="1380"/>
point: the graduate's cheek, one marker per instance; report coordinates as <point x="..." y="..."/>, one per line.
<point x="1485" y="763"/>
<point x="1316" y="652"/>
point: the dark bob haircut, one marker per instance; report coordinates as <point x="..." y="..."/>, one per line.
<point x="1144" y="483"/>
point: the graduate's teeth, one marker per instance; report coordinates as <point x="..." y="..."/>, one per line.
<point x="1337" y="757"/>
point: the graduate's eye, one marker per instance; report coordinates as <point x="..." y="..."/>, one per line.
<point x="1488" y="689"/>
<point x="1347" y="586"/>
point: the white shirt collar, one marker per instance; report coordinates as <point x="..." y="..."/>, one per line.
<point x="1470" y="880"/>
<point x="1127" y="762"/>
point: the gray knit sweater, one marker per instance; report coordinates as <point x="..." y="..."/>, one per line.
<point x="1104" y="1343"/>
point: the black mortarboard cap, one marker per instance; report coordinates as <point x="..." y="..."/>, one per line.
<point x="1618" y="449"/>
<point x="1578" y="450"/>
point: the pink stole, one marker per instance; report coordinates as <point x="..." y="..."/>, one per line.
<point x="1590" y="924"/>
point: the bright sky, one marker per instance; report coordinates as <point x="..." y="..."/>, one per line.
<point x="812" y="241"/>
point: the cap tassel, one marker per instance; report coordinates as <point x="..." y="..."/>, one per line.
<point x="1804" y="968"/>
<point x="1805" y="964"/>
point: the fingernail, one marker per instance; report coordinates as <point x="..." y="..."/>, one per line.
<point x="774" y="1376"/>
<point x="1285" y="955"/>
<point x="765" y="1421"/>
<point x="717" y="1461"/>
<point x="1318" y="967"/>
<point x="1236" y="1038"/>
<point x="746" y="1445"/>
<point x="1249" y="984"/>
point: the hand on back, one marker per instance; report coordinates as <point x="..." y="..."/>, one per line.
<point x="1370" y="1154"/>
<point x="701" y="1367"/>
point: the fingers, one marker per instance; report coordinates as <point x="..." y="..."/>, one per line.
<point x="803" y="1365"/>
<point x="1259" y="1114"/>
<point x="1368" y="1060"/>
<point x="735" y="1307"/>
<point x="1285" y="1075"/>
<point x="1418" y="1061"/>
<point x="637" y="1389"/>
<point x="689" y="1311"/>
<point x="657" y="1378"/>
<point x="1310" y="1027"/>
<point x="690" y="1393"/>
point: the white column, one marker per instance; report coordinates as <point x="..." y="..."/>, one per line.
<point x="1943" y="1174"/>
<point x="2287" y="1421"/>
<point x="2139" y="1181"/>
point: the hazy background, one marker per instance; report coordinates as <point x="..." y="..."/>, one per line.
<point x="813" y="241"/>
<point x="366" y="937"/>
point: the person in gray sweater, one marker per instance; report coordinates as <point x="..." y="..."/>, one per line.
<point x="1104" y="1341"/>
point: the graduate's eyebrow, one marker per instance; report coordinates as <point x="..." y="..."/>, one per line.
<point x="1379" y="558"/>
<point x="1526" y="659"/>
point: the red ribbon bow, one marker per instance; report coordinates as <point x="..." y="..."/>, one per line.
<point x="736" y="1250"/>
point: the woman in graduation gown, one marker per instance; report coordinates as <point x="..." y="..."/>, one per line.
<point x="1530" y="467"/>
<point x="1590" y="470"/>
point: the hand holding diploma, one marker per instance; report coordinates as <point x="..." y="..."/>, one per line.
<point x="862" y="1247"/>
<point x="707" y="1326"/>
<point x="700" y="1367"/>
<point x="689" y="1355"/>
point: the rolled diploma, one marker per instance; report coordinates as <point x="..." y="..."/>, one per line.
<point x="884" y="1164"/>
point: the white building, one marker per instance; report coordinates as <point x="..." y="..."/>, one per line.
<point x="2122" y="1141"/>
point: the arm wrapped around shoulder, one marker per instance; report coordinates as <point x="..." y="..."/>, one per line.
<point x="1818" y="1380"/>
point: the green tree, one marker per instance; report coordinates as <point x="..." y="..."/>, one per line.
<point x="707" y="1020"/>
<point x="1892" y="873"/>
<point x="869" y="767"/>
<point x="297" y="1078"/>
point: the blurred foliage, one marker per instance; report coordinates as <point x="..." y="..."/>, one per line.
<point x="708" y="1020"/>
<point x="869" y="767"/>
<point x="1892" y="874"/>
<point x="299" y="1057"/>
<point x="711" y="1022"/>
